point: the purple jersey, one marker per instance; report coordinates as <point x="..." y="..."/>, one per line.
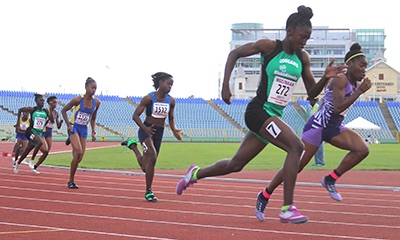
<point x="325" y="124"/>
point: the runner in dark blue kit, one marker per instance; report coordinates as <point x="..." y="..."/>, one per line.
<point x="158" y="105"/>
<point x="85" y="111"/>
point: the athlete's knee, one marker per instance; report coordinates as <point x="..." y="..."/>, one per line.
<point x="296" y="147"/>
<point x="235" y="166"/>
<point x="364" y="152"/>
<point x="300" y="168"/>
<point x="78" y="154"/>
<point x="39" y="144"/>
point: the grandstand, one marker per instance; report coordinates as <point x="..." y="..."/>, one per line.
<point x="199" y="119"/>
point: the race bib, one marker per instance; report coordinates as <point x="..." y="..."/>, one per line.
<point x="160" y="110"/>
<point x="39" y="123"/>
<point x="281" y="91"/>
<point x="23" y="126"/>
<point x="82" y="118"/>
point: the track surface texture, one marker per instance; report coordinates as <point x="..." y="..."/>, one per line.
<point x="111" y="205"/>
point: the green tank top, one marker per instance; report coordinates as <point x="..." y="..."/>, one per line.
<point x="283" y="71"/>
<point x="38" y="120"/>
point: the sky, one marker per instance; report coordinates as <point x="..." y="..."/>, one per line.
<point x="53" y="46"/>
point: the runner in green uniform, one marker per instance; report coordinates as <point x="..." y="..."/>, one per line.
<point x="39" y="115"/>
<point x="283" y="64"/>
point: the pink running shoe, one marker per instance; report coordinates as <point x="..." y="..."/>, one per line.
<point x="187" y="181"/>
<point x="292" y="216"/>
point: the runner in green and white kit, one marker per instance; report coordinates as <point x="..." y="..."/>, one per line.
<point x="283" y="64"/>
<point x="39" y="115"/>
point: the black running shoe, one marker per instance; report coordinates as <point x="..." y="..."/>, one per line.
<point x="260" y="206"/>
<point x="149" y="196"/>
<point x="72" y="185"/>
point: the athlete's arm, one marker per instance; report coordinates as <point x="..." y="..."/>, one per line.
<point x="340" y="101"/>
<point x="171" y="120"/>
<point x="138" y="111"/>
<point x="50" y="115"/>
<point x="74" y="102"/>
<point x="58" y="120"/>
<point x="93" y="120"/>
<point x="263" y="46"/>
<point x="315" y="88"/>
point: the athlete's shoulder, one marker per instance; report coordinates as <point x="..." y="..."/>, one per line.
<point x="267" y="45"/>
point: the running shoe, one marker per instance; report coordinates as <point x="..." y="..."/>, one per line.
<point x="129" y="143"/>
<point x="72" y="185"/>
<point x="187" y="181"/>
<point x="35" y="171"/>
<point x="260" y="206"/>
<point x="132" y="141"/>
<point x="31" y="164"/>
<point x="330" y="186"/>
<point x="318" y="165"/>
<point x="149" y="196"/>
<point x="292" y="216"/>
<point x="16" y="167"/>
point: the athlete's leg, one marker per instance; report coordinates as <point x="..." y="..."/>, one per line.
<point x="277" y="132"/>
<point x="17" y="148"/>
<point x="149" y="161"/>
<point x="77" y="153"/>
<point x="350" y="140"/>
<point x="45" y="153"/>
<point x="132" y="145"/>
<point x="309" y="151"/>
<point x="250" y="147"/>
<point x="35" y="143"/>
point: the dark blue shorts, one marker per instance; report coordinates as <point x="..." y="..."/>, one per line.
<point x="21" y="136"/>
<point x="48" y="133"/>
<point x="157" y="137"/>
<point x="81" y="130"/>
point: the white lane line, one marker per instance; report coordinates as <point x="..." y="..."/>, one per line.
<point x="86" y="203"/>
<point x="75" y="230"/>
<point x="190" y="224"/>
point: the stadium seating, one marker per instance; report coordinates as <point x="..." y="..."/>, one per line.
<point x="197" y="118"/>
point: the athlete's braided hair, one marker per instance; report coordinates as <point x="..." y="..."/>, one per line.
<point x="301" y="18"/>
<point x="157" y="77"/>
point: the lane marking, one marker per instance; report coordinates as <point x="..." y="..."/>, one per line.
<point x="190" y="225"/>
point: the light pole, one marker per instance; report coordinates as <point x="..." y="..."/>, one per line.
<point x="374" y="86"/>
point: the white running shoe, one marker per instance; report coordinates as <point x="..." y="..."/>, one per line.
<point x="35" y="171"/>
<point x="16" y="167"/>
<point x="31" y="164"/>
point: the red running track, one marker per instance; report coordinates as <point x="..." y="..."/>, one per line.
<point x="111" y="205"/>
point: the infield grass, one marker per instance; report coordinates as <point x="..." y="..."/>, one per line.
<point x="179" y="156"/>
